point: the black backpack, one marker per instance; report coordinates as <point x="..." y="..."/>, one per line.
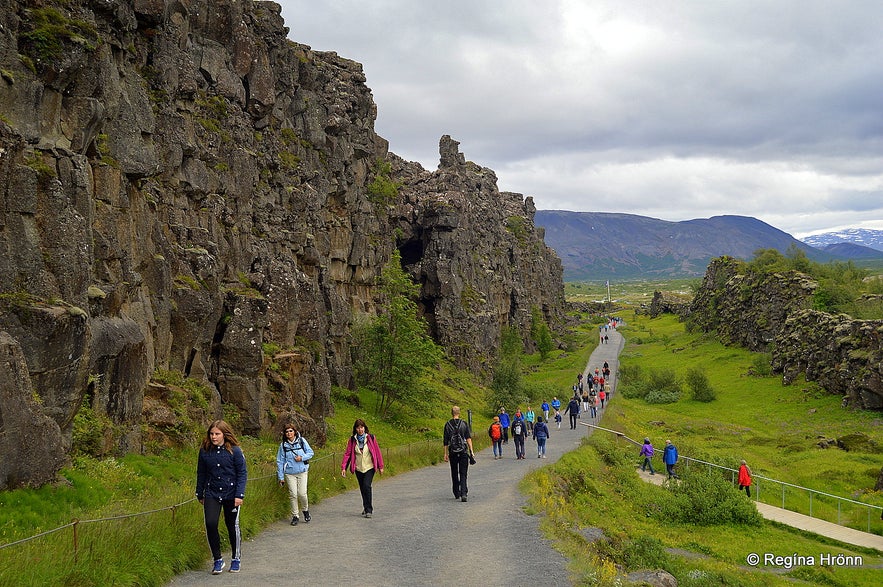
<point x="456" y="443"/>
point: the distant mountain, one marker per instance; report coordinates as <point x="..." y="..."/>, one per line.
<point x="859" y="236"/>
<point x="852" y="251"/>
<point x="596" y="246"/>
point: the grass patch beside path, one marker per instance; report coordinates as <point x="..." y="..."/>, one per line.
<point x="594" y="491"/>
<point x="89" y="553"/>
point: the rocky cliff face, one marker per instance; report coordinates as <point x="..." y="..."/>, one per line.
<point x="773" y="313"/>
<point x="183" y="189"/>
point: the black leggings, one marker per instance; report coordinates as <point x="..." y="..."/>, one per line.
<point x="212" y="510"/>
<point x="365" y="480"/>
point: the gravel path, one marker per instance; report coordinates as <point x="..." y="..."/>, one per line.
<point x="419" y="534"/>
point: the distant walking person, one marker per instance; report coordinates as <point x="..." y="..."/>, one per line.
<point x="292" y="469"/>
<point x="495" y="431"/>
<point x="505" y="422"/>
<point x="647" y="453"/>
<point x="362" y="457"/>
<point x="457" y="440"/>
<point x="670" y="457"/>
<point x="745" y="478"/>
<point x="545" y="408"/>
<point x="519" y="434"/>
<point x="220" y="485"/>
<point x="572" y="409"/>
<point x="541" y="434"/>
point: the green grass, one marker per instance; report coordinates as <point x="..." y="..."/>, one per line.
<point x="85" y="548"/>
<point x="773" y="427"/>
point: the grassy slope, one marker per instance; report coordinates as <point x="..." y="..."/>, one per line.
<point x="773" y="427"/>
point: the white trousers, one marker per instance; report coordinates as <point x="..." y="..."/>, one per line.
<point x="297" y="492"/>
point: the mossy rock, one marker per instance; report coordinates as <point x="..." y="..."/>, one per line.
<point x="858" y="442"/>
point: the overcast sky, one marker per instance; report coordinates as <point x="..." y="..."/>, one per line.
<point x="673" y="109"/>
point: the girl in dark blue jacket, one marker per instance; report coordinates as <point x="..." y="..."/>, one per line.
<point x="220" y="485"/>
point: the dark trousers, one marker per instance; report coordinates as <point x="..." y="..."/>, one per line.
<point x="573" y="421"/>
<point x="365" y="480"/>
<point x="212" y="510"/>
<point x="459" y="468"/>
<point x="747" y="489"/>
<point x="519" y="446"/>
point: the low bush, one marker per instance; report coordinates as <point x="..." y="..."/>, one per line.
<point x="705" y="499"/>
<point x="699" y="386"/>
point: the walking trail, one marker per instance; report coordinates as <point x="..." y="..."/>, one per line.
<point x="419" y="534"/>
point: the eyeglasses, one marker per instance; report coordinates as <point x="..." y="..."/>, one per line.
<point x="289" y="430"/>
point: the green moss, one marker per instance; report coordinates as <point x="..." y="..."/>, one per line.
<point x="52" y="31"/>
<point x="187" y="282"/>
<point x="38" y="164"/>
<point x="288" y="160"/>
<point x="382" y="191"/>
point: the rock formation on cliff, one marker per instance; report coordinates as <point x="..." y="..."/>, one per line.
<point x="773" y="313"/>
<point x="183" y="189"/>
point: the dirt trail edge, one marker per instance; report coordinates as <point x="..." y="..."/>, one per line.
<point x="419" y="534"/>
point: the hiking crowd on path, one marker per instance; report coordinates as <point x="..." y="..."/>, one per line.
<point x="221" y="469"/>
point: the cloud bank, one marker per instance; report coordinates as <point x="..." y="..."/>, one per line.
<point x="674" y="110"/>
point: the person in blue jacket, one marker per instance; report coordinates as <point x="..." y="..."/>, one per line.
<point x="505" y="423"/>
<point x="292" y="468"/>
<point x="670" y="457"/>
<point x="220" y="485"/>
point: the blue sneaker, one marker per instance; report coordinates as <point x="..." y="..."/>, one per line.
<point x="234" y="565"/>
<point x="219" y="567"/>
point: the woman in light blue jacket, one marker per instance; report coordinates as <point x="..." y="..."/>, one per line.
<point x="292" y="468"/>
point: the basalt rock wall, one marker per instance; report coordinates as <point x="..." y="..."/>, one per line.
<point x="773" y="313"/>
<point x="185" y="190"/>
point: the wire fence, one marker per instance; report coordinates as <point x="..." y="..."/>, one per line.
<point x="327" y="464"/>
<point x="796" y="498"/>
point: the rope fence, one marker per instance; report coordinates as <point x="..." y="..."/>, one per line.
<point x="328" y="462"/>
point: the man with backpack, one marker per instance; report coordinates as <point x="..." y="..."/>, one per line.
<point x="495" y="431"/>
<point x="458" y="452"/>
<point x="519" y="433"/>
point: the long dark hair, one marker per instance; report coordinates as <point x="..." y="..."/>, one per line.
<point x="357" y="423"/>
<point x="230" y="439"/>
<point x="286" y="427"/>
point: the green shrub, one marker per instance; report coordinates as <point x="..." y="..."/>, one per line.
<point x="662" y="396"/>
<point x="761" y="365"/>
<point x="645" y="552"/>
<point x="705" y="498"/>
<point x="698" y="385"/>
<point x="89" y="431"/>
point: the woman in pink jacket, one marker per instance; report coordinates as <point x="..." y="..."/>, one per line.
<point x="363" y="457"/>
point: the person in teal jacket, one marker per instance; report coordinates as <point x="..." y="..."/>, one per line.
<point x="292" y="468"/>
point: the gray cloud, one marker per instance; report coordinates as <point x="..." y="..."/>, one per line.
<point x="675" y="110"/>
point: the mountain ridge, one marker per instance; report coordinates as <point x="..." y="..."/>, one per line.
<point x="865" y="237"/>
<point x="601" y="245"/>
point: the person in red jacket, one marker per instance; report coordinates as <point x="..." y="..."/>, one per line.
<point x="363" y="457"/>
<point x="745" y="478"/>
